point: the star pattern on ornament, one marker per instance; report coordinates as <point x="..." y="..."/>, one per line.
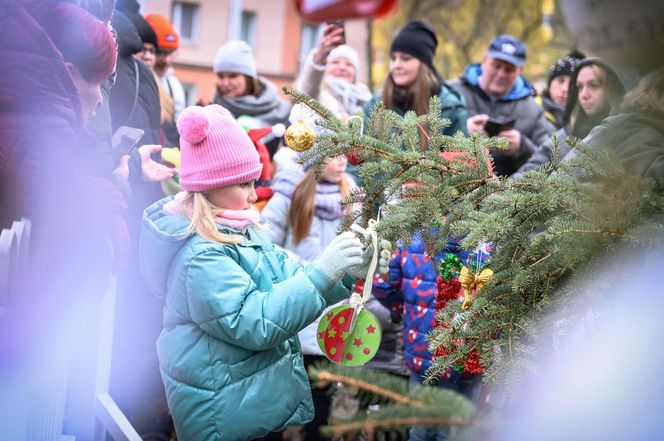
<point x="344" y="335"/>
<point x="331" y="333"/>
<point x="321" y="335"/>
<point x="371" y="329"/>
<point x="357" y="342"/>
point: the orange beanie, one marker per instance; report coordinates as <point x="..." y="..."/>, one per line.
<point x="166" y="35"/>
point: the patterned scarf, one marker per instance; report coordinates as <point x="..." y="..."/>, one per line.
<point x="328" y="201"/>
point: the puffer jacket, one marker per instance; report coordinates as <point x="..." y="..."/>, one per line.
<point x="636" y="138"/>
<point x="229" y="356"/>
<point x="519" y="104"/>
<point x="410" y="291"/>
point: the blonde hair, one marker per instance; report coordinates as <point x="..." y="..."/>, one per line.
<point x="202" y="220"/>
<point x="648" y="95"/>
<point x="166" y="102"/>
<point x="301" y="213"/>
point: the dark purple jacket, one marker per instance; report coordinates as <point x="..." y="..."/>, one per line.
<point x="44" y="176"/>
<point x="39" y="111"/>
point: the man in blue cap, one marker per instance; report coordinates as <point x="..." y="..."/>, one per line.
<point x="496" y="94"/>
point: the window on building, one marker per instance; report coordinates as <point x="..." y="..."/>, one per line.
<point x="186" y="20"/>
<point x="248" y="27"/>
<point x="190" y="94"/>
<point x="308" y="40"/>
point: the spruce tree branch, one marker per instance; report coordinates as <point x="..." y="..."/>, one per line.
<point x="371" y="425"/>
<point x="597" y="232"/>
<point x="314" y="105"/>
<point x="324" y="376"/>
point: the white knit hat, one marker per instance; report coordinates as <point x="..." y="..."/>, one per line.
<point x="347" y="52"/>
<point x="236" y="56"/>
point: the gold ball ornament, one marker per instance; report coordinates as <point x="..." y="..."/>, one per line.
<point x="300" y="136"/>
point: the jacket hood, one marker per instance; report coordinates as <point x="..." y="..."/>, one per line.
<point x="520" y="90"/>
<point x="128" y="39"/>
<point x="613" y="82"/>
<point x="34" y="79"/>
<point x="162" y="237"/>
<point x="286" y="180"/>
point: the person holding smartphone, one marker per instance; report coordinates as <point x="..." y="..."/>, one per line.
<point x="495" y="90"/>
<point x="330" y="74"/>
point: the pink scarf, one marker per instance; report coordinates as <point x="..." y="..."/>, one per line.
<point x="236" y="219"/>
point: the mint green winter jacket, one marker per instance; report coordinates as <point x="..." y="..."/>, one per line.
<point x="229" y="355"/>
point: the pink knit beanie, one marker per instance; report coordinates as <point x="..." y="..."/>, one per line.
<point x="215" y="150"/>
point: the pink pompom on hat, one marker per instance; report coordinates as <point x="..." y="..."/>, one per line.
<point x="215" y="150"/>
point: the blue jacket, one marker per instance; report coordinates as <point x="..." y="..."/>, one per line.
<point x="411" y="291"/>
<point x="519" y="103"/>
<point x="229" y="355"/>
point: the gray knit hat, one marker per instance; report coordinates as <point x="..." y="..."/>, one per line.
<point x="236" y="56"/>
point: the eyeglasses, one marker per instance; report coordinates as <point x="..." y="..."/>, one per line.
<point x="164" y="52"/>
<point x="149" y="50"/>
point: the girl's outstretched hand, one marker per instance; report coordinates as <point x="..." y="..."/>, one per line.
<point x="385" y="251"/>
<point x="343" y="253"/>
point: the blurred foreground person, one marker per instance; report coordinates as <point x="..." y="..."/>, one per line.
<point x="54" y="59"/>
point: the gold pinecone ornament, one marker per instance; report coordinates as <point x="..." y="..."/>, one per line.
<point x="300" y="136"/>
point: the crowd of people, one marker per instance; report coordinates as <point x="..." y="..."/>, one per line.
<point x="218" y="301"/>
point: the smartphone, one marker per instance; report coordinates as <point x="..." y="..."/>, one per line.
<point x="340" y="24"/>
<point x="125" y="139"/>
<point x="493" y="127"/>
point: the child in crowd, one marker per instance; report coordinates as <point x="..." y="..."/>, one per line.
<point x="410" y="292"/>
<point x="234" y="301"/>
<point x="303" y="217"/>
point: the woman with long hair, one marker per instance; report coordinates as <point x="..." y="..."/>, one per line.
<point x="413" y="79"/>
<point x="636" y="135"/>
<point x="595" y="93"/>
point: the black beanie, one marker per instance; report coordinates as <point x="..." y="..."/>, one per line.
<point x="417" y="39"/>
<point x="565" y="66"/>
<point x="131" y="9"/>
<point x="144" y="29"/>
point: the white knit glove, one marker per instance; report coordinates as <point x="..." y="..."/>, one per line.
<point x="385" y="249"/>
<point x="384" y="257"/>
<point x="344" y="252"/>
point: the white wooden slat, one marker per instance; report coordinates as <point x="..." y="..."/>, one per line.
<point x="113" y="420"/>
<point x="7" y="253"/>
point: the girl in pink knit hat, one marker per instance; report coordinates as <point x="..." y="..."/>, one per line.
<point x="234" y="302"/>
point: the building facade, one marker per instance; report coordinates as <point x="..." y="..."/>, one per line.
<point x="273" y="28"/>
